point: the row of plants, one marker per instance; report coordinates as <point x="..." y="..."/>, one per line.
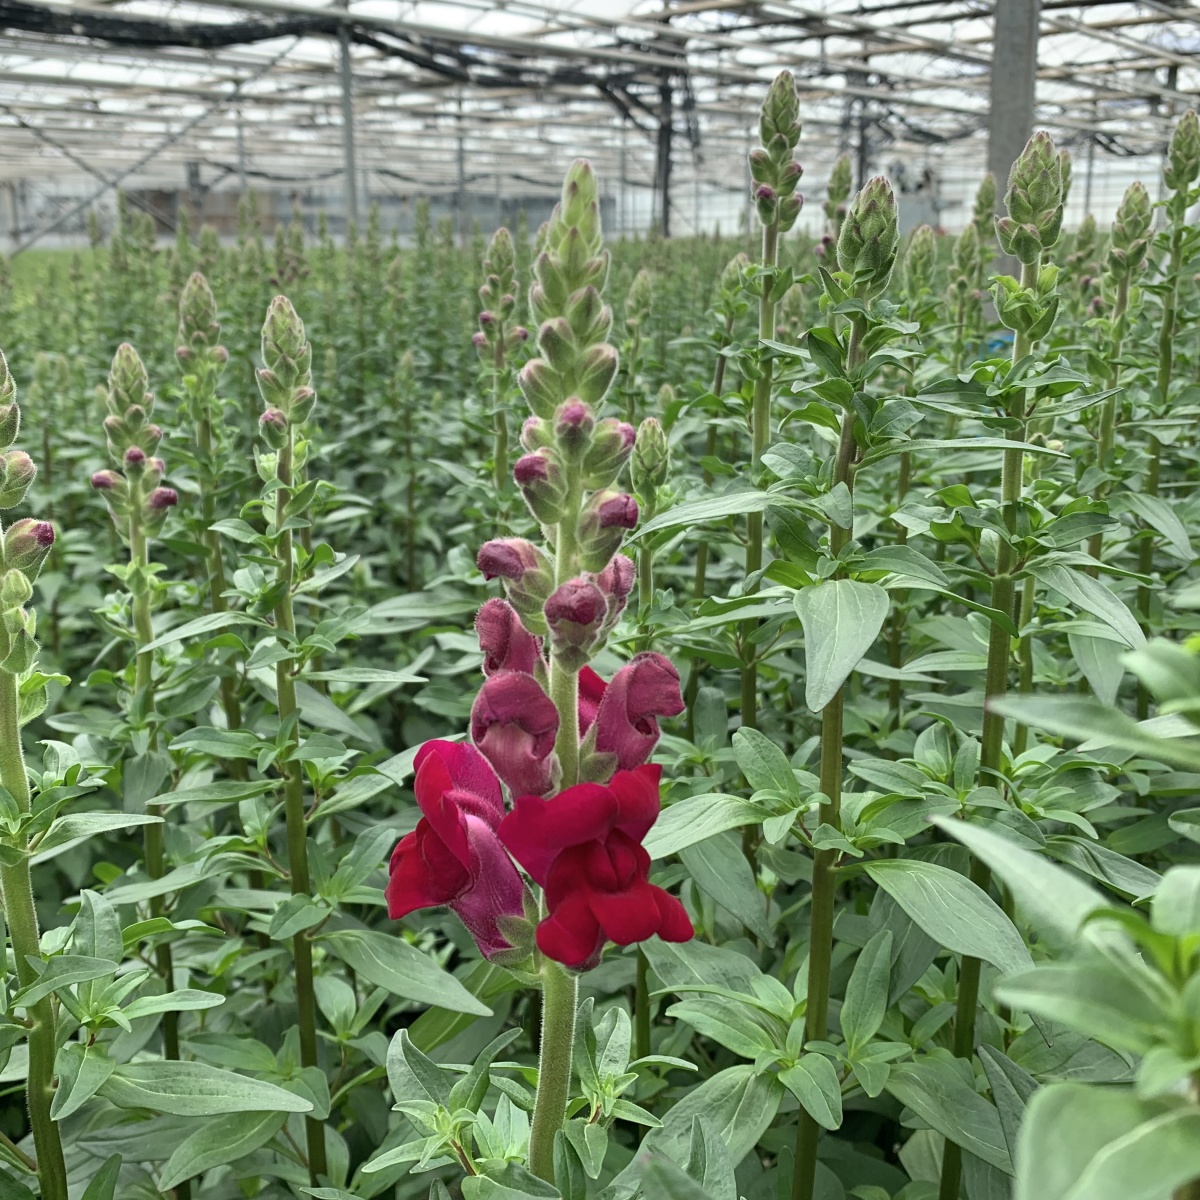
<point x="823" y="824"/>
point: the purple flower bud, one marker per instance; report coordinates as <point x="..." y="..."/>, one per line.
<point x="273" y="425"/>
<point x="506" y="644"/>
<point x="163" y="498"/>
<point x="26" y="545"/>
<point x="602" y="525"/>
<point x="514" y="724"/>
<point x="135" y="456"/>
<point x="616" y="581"/>
<point x="107" y="481"/>
<point x="646" y="688"/>
<point x="573" y="425"/>
<point x="575" y="615"/>
<point x="18" y="473"/>
<point x="612" y="444"/>
<point x="479" y="341"/>
<point x="764" y="192"/>
<point x="527" y="574"/>
<point x="486" y="318"/>
<point x="541" y="481"/>
<point x="618" y="511"/>
<point x="520" y="333"/>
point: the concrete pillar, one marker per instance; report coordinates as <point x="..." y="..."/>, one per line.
<point x="1014" y="78"/>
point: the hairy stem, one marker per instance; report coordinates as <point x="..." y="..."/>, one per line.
<point x="559" y="998"/>
<point x="760" y="429"/>
<point x="297" y="825"/>
<point x="17" y="886"/>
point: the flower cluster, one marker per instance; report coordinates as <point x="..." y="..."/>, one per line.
<point x="26" y="543"/>
<point x="570" y="748"/>
<point x="134" y="493"/>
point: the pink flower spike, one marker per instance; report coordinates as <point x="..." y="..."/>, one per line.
<point x="514" y="724"/>
<point x="644" y="689"/>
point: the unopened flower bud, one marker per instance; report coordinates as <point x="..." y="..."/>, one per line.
<point x="616" y="581"/>
<point x="596" y="371"/>
<point x="573" y="425"/>
<point x="18" y="471"/>
<point x="527" y="573"/>
<point x="540" y="478"/>
<point x="575" y="615"/>
<point x="27" y="544"/>
<point x="273" y="426"/>
<point x="602" y="526"/>
<point x="1183" y="154"/>
<point x="506" y="644"/>
<point x="651" y="458"/>
<point x="868" y="242"/>
<point x="10" y="424"/>
<point x="612" y="444"/>
<point x="537" y="434"/>
<point x="162" y="498"/>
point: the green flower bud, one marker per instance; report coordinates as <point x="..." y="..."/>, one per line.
<point x="918" y="264"/>
<point x="17" y="472"/>
<point x="985" y="207"/>
<point x="1034" y="200"/>
<point x="1130" y="234"/>
<point x="15" y="590"/>
<point x="841" y="183"/>
<point x="731" y="276"/>
<point x="612" y="444"/>
<point x="286" y="381"/>
<point x="774" y="172"/>
<point x="22" y="650"/>
<point x="866" y="249"/>
<point x="639" y="299"/>
<point x="541" y="480"/>
<point x="1183" y="153"/>
<point x="128" y="383"/>
<point x="964" y="268"/>
<point x="602" y="526"/>
<point x="27" y="544"/>
<point x="199" y="330"/>
<point x="651" y="458"/>
<point x="779" y="124"/>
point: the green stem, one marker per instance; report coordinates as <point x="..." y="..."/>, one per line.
<point x="153" y="842"/>
<point x="297" y="825"/>
<point x="824" y="879"/>
<point x="991" y="751"/>
<point x="499" y="420"/>
<point x="699" y="589"/>
<point x="896" y="631"/>
<point x="559" y="998"/>
<point x="1108" y="413"/>
<point x="1166" y="356"/>
<point x="17" y="886"/>
<point x="641" y="1007"/>
<point x="760" y="430"/>
<point x="1025" y="659"/>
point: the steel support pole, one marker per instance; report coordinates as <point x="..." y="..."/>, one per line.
<point x="351" y="168"/>
<point x="1014" y="79"/>
<point x="663" y="173"/>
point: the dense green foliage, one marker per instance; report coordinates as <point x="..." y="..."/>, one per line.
<point x="943" y="948"/>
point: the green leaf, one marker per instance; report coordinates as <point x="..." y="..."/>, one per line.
<point x="1092" y="596"/>
<point x="81" y="1072"/>
<point x="662" y="1178"/>
<point x="511" y="1181"/>
<point x="1055" y="902"/>
<point x="183" y="1000"/>
<point x="61" y="971"/>
<point x="814" y="1082"/>
<point x="1089" y="1143"/>
<point x="698" y="818"/>
<point x="194" y="1089"/>
<point x="1167" y="739"/>
<point x="938" y="1094"/>
<point x="867" y="993"/>
<point x="219" y="1143"/>
<point x="955" y="912"/>
<point x="365" y="675"/>
<point x="220" y="743"/>
<point x="698" y="512"/>
<point x="1159" y="515"/>
<point x="204" y="624"/>
<point x="740" y="1104"/>
<point x="223" y="792"/>
<point x="764" y="765"/>
<point x="718" y="867"/>
<point x="390" y="962"/>
<point x="841" y="620"/>
<point x="67" y="831"/>
<point x="104" y="1182"/>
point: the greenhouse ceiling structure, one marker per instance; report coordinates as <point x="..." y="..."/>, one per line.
<point x="440" y="97"/>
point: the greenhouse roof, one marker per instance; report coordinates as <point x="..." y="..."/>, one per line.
<point x="447" y="92"/>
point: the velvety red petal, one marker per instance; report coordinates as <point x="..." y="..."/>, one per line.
<point x="637" y="799"/>
<point x="674" y="924"/>
<point x="591" y="692"/>
<point x="629" y="916"/>
<point x="568" y="874"/>
<point x="571" y="935"/>
<point x="417" y="878"/>
<point x="432" y="784"/>
<point x="471" y="772"/>
<point x="537" y="830"/>
<point x="495" y="889"/>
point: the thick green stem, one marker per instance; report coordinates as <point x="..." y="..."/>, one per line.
<point x="824" y="880"/>
<point x="559" y="998"/>
<point x="896" y="632"/>
<point x="19" y="907"/>
<point x="143" y="629"/>
<point x="992" y="748"/>
<point x="1166" y="357"/>
<point x="1108" y="412"/>
<point x="297" y="824"/>
<point x="700" y="587"/>
<point x="641" y="1007"/>
<point x="760" y="430"/>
